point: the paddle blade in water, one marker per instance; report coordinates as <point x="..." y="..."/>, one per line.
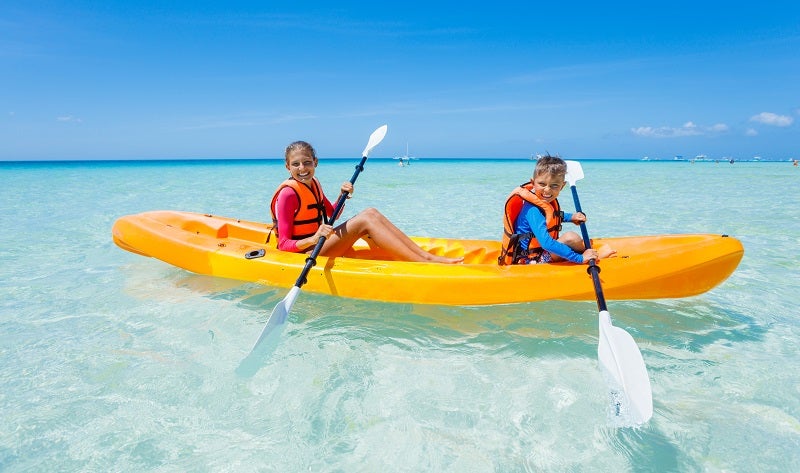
<point x="622" y="363"/>
<point x="278" y="316"/>
<point x="270" y="336"/>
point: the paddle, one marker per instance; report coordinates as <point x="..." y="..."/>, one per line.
<point x="270" y="335"/>
<point x="277" y="318"/>
<point x="617" y="352"/>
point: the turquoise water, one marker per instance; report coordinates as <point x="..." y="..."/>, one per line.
<point x="115" y="362"/>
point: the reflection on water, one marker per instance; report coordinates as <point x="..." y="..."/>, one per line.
<point x="532" y="329"/>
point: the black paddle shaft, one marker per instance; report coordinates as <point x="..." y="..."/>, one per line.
<point x="311" y="261"/>
<point x="594" y="270"/>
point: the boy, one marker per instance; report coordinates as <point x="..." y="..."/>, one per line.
<point x="533" y="220"/>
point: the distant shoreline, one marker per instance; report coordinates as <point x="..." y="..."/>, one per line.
<point x="419" y="161"/>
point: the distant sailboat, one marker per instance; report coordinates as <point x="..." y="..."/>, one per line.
<point x="404" y="160"/>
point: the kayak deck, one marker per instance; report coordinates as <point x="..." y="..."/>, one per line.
<point x="647" y="267"/>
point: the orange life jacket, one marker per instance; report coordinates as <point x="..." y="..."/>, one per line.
<point x="511" y="253"/>
<point x="310" y="213"/>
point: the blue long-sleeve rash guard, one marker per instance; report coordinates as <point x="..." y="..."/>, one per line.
<point x="530" y="219"/>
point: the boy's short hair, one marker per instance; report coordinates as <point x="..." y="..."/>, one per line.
<point x="552" y="165"/>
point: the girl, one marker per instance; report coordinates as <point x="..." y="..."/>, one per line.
<point x="297" y="212"/>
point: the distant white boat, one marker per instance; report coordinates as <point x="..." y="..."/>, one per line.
<point x="646" y="158"/>
<point x="700" y="157"/>
<point x="404" y="160"/>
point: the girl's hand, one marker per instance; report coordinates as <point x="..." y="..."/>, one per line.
<point x="324" y="230"/>
<point x="347" y="187"/>
<point x="578" y="218"/>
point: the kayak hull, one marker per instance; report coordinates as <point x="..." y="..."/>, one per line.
<point x="647" y="267"/>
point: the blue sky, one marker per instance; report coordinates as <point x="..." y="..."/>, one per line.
<point x="113" y="79"/>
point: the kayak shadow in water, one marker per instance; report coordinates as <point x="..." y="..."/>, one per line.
<point x="561" y="328"/>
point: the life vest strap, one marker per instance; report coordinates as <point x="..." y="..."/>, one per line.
<point x="310" y="220"/>
<point x="518" y="254"/>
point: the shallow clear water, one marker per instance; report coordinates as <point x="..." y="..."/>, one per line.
<point x="114" y="362"/>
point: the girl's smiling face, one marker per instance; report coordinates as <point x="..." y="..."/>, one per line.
<point x="548" y="186"/>
<point x="301" y="166"/>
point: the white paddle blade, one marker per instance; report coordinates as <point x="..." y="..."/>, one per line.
<point x="574" y="172"/>
<point x="375" y="138"/>
<point x="278" y="316"/>
<point x="270" y="337"/>
<point x="622" y="362"/>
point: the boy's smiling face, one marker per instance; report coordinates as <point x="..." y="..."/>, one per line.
<point x="548" y="186"/>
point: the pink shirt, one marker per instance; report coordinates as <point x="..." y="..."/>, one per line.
<point x="287" y="205"/>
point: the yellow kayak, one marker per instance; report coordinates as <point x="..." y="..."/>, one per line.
<point x="647" y="267"/>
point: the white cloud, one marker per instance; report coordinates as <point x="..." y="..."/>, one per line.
<point x="718" y="128"/>
<point x="750" y="132"/>
<point x="769" y="118"/>
<point x="69" y="118"/>
<point x="688" y="129"/>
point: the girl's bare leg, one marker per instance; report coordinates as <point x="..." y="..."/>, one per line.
<point x="383" y="233"/>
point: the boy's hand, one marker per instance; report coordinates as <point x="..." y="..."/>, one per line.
<point x="590" y="254"/>
<point x="578" y="218"/>
<point x="604" y="251"/>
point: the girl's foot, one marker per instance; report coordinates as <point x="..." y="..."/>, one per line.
<point x="442" y="259"/>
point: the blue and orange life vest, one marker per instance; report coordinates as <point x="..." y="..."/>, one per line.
<point x="310" y="213"/>
<point x="511" y="253"/>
